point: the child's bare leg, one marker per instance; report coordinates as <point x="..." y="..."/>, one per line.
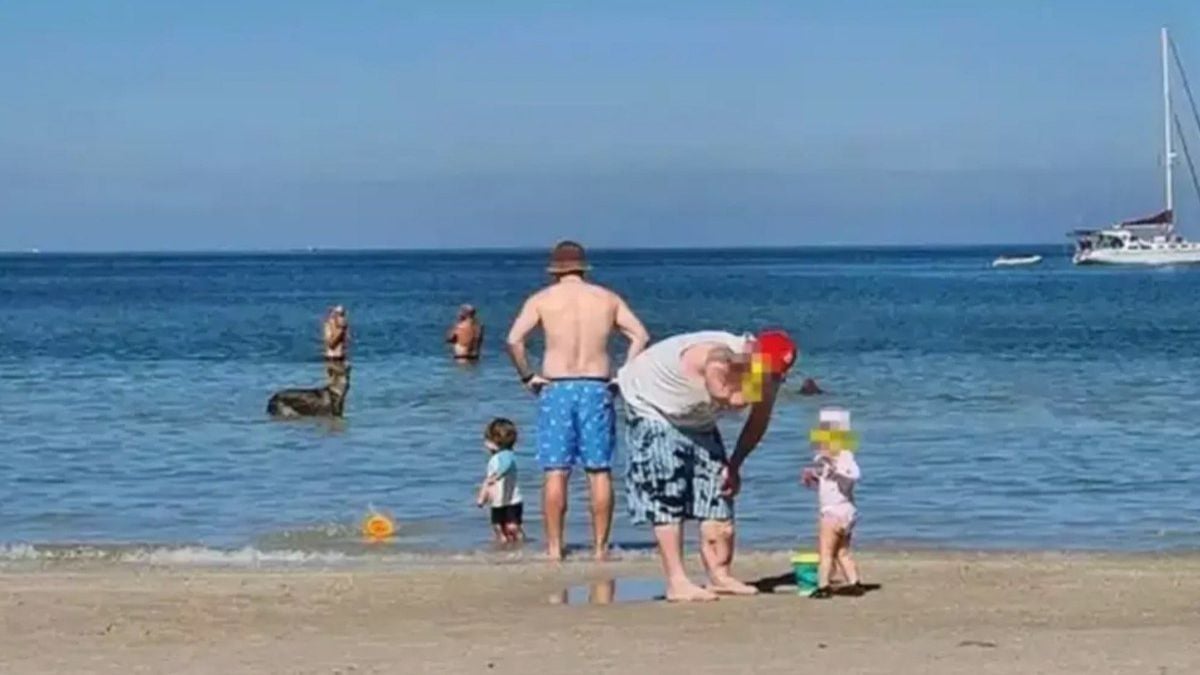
<point x="838" y="573"/>
<point x="716" y="552"/>
<point x="512" y="533"/>
<point x="826" y="547"/>
<point x="845" y="559"/>
<point x="498" y="531"/>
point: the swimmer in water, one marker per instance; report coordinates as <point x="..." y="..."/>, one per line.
<point x="810" y="388"/>
<point x="466" y="335"/>
<point x="336" y="342"/>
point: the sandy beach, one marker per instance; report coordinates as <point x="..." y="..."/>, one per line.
<point x="936" y="613"/>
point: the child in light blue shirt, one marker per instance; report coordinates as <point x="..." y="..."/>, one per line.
<point x="499" y="488"/>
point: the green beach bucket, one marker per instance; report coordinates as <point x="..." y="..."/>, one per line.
<point x="805" y="567"/>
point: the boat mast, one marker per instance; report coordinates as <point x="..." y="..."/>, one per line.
<point x="1168" y="154"/>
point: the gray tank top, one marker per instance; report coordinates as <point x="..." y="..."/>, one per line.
<point x="654" y="383"/>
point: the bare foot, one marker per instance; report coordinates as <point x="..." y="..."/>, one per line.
<point x="601" y="554"/>
<point x="686" y="591"/>
<point x="731" y="586"/>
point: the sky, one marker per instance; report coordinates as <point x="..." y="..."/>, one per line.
<point x="144" y="125"/>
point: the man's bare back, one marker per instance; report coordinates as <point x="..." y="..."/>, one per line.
<point x="577" y="319"/>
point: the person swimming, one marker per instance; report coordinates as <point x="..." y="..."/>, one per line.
<point x="810" y="388"/>
<point x="335" y="341"/>
<point x="466" y="335"/>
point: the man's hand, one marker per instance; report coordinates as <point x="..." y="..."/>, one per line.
<point x="731" y="481"/>
<point x="536" y="383"/>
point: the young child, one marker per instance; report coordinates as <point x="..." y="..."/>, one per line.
<point x="499" y="487"/>
<point x="833" y="473"/>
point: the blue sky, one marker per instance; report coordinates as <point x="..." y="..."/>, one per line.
<point x="233" y="125"/>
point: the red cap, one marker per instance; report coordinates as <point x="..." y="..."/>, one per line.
<point x="778" y="350"/>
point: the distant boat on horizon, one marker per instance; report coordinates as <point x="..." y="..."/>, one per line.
<point x="1016" y="261"/>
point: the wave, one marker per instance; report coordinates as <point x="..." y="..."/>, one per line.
<point x="251" y="556"/>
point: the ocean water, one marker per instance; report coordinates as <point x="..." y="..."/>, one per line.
<point x="1051" y="407"/>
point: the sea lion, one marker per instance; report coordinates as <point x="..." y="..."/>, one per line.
<point x="810" y="388"/>
<point x="327" y="401"/>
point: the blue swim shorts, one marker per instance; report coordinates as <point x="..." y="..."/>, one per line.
<point x="576" y="424"/>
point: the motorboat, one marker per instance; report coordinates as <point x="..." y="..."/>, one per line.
<point x="1016" y="261"/>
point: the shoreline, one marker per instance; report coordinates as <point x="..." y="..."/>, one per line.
<point x="946" y="612"/>
<point x="357" y="558"/>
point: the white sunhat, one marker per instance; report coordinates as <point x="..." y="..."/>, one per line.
<point x="838" y="418"/>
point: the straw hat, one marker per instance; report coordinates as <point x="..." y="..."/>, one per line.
<point x="567" y="257"/>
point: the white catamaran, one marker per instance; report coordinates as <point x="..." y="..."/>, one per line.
<point x="1151" y="240"/>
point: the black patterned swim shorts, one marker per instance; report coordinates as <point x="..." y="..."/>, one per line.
<point x="673" y="474"/>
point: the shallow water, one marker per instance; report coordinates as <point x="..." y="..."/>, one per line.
<point x="609" y="591"/>
<point x="1046" y="407"/>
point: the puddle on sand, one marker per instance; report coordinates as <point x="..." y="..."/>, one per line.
<point x="608" y="591"/>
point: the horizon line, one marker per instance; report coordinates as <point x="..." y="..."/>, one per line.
<point x="515" y="249"/>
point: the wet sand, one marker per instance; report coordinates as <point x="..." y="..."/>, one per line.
<point x="936" y="613"/>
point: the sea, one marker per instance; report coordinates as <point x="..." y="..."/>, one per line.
<point x="1048" y="407"/>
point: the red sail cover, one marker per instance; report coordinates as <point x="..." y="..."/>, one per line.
<point x="1162" y="218"/>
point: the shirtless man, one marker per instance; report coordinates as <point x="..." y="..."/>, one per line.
<point x="576" y="421"/>
<point x="336" y="339"/>
<point x="466" y="335"/>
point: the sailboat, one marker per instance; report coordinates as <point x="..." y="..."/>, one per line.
<point x="1151" y="240"/>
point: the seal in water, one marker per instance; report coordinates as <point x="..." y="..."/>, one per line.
<point x="810" y="388"/>
<point x="328" y="401"/>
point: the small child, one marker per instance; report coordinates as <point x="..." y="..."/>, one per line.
<point x="833" y="473"/>
<point x="500" y="488"/>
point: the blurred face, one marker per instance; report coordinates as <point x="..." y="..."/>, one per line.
<point x="824" y="447"/>
<point x="753" y="376"/>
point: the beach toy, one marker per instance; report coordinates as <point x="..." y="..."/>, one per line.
<point x="804" y="566"/>
<point x="378" y="527"/>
